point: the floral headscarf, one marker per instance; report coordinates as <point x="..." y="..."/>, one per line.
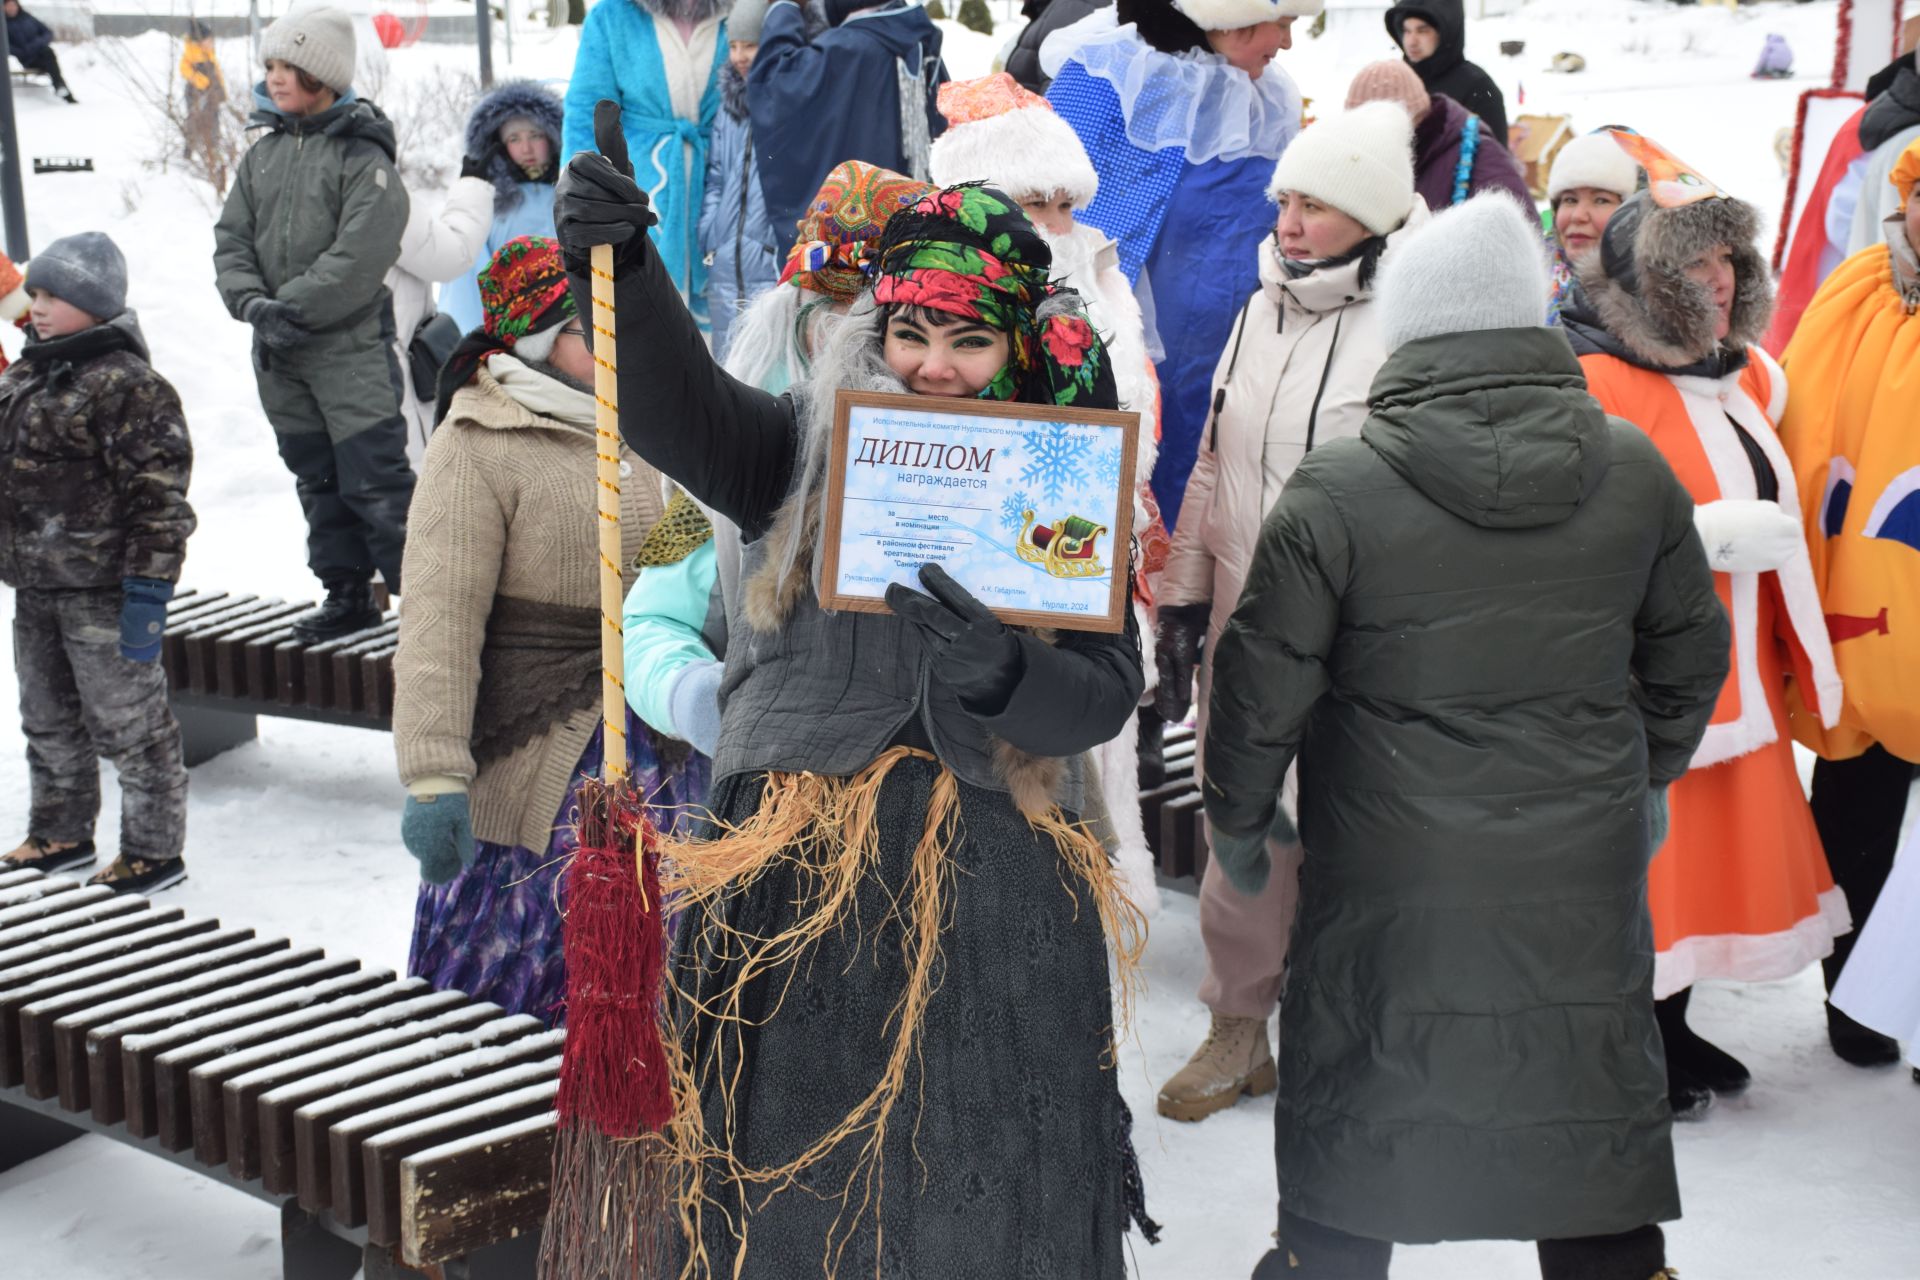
<point x="523" y="290"/>
<point x="970" y="251"/>
<point x="837" y="239"/>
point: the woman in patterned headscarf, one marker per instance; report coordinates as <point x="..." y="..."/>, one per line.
<point x="891" y="982"/>
<point x="496" y="683"/>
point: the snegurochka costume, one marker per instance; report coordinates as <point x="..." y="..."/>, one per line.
<point x="891" y="997"/>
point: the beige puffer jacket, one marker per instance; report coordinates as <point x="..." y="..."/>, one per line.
<point x="1270" y="419"/>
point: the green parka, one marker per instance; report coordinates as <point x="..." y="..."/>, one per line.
<point x="1484" y="626"/>
<point x="315" y="216"/>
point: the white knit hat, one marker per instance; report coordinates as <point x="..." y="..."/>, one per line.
<point x="1360" y="162"/>
<point x="1593" y="160"/>
<point x="1026" y="153"/>
<point x="1479" y="265"/>
<point x="318" y="39"/>
<point x="1231" y="15"/>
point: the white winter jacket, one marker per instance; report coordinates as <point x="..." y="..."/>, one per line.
<point x="437" y="245"/>
<point x="1308" y="351"/>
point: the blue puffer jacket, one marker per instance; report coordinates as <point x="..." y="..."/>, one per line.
<point x="27" y="36"/>
<point x="735" y="233"/>
<point x="522" y="206"/>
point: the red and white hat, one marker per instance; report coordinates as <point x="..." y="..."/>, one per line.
<point x="1000" y="134"/>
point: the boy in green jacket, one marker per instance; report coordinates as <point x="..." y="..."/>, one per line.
<point x="309" y="231"/>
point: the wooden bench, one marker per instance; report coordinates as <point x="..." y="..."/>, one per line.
<point x="231" y="658"/>
<point x="1176" y="825"/>
<point x="401" y="1130"/>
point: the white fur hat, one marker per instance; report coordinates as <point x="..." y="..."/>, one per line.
<point x="1593" y="160"/>
<point x="1000" y="134"/>
<point x="1360" y="162"/>
<point x="1231" y="15"/>
<point x="1477" y="266"/>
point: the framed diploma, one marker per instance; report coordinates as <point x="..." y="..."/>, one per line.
<point x="1028" y="506"/>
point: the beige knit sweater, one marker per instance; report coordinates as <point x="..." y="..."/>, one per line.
<point x="504" y="507"/>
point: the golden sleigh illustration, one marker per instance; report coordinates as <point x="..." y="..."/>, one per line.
<point x="1067" y="550"/>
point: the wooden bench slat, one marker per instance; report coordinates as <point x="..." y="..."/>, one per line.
<point x="51" y="904"/>
<point x="314" y="1121"/>
<point x="290" y="672"/>
<point x="475" y="1190"/>
<point x="14" y="1003"/>
<point x="223" y="1093"/>
<point x="96" y="941"/>
<point x="18" y="875"/>
<point x="150" y="969"/>
<point x="1176" y="834"/>
<point x="76" y="911"/>
<point x="277" y="1105"/>
<point x="38" y="888"/>
<point x="231" y="671"/>
<point x="260" y="677"/>
<point x="174" y="1054"/>
<point x="200" y="641"/>
<point x="86" y="1043"/>
<point x="347" y="1138"/>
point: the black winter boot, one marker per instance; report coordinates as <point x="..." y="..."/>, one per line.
<point x="1860" y="1045"/>
<point x="348" y="608"/>
<point x="1705" y="1063"/>
<point x="1640" y="1254"/>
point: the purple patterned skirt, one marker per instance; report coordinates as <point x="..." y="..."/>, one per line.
<point x="493" y="931"/>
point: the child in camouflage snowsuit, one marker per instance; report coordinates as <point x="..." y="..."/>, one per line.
<point x="302" y="249"/>
<point x="94" y="460"/>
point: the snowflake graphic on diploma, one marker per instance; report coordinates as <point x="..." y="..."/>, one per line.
<point x="1013" y="511"/>
<point x="1058" y="456"/>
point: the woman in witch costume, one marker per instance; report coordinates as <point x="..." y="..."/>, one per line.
<point x="894" y="1025"/>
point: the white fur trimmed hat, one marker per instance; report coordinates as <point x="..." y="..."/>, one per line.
<point x="1231" y="15"/>
<point x="1593" y="160"/>
<point x="1360" y="162"/>
<point x="318" y="39"/>
<point x="1476" y="266"/>
<point x="1000" y="134"/>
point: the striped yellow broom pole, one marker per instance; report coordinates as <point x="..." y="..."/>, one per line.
<point x="606" y="435"/>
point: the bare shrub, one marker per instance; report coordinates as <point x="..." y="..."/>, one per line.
<point x="429" y="115"/>
<point x="205" y="134"/>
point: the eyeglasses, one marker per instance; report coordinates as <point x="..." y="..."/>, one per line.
<point x="574" y="331"/>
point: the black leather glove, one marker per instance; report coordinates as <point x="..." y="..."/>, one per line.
<point x="1178" y="635"/>
<point x="480" y="166"/>
<point x="597" y="201"/>
<point x="974" y="653"/>
<point x="275" y="323"/>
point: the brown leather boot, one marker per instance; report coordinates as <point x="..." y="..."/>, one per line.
<point x="1233" y="1060"/>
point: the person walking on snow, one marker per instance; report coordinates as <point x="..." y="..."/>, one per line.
<point x="1432" y="35"/>
<point x="660" y="60"/>
<point x="1294" y="376"/>
<point x="94" y="464"/>
<point x="736" y="237"/>
<point x="301" y="251"/>
<point x="513" y="142"/>
<point x="863" y="89"/>
<point x="1455" y="153"/>
<point x="1665" y="316"/>
<point x="1487" y="630"/>
<point x="1850" y="432"/>
<point x="1183" y="112"/>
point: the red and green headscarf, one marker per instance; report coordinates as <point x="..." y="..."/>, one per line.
<point x="523" y="290"/>
<point x="971" y="251"/>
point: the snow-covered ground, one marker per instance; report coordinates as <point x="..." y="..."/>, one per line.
<point x="1816" y="1173"/>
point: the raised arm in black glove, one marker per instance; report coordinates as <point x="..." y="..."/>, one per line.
<point x="1046" y="699"/>
<point x="1179" y="632"/>
<point x="275" y="323"/>
<point x="479" y="166"/>
<point x="597" y="201"/>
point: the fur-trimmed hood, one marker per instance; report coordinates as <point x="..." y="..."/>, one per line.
<point x="522" y="99"/>
<point x="1632" y="298"/>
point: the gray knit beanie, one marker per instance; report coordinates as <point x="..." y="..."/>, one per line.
<point x="86" y="269"/>
<point x="745" y="21"/>
<point x="318" y="39"/>
<point x="1479" y="265"/>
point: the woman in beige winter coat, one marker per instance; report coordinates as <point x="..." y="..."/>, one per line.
<point x="497" y="678"/>
<point x="1295" y="374"/>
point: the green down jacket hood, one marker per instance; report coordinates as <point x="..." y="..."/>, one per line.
<point x="351" y="117"/>
<point x="1496" y="427"/>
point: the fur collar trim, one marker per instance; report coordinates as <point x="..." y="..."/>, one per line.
<point x="514" y="99"/>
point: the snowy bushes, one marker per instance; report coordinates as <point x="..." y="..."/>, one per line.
<point x="975" y="17"/>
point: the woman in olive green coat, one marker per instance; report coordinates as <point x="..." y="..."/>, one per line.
<point x="1488" y="630"/>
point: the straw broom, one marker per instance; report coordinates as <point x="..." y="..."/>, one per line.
<point x="608" y="1214"/>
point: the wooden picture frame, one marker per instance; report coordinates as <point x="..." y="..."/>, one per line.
<point x="1082" y="554"/>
